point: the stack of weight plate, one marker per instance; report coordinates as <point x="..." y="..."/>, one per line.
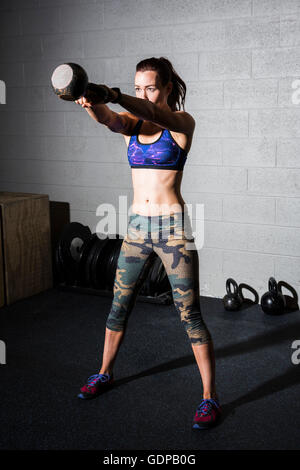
<point x="89" y="261"/>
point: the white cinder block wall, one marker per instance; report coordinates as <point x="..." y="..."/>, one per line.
<point x="238" y="58"/>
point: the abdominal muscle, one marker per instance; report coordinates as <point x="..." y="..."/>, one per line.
<point x="156" y="192"/>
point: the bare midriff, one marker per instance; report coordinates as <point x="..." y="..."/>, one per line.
<point x="156" y="192"/>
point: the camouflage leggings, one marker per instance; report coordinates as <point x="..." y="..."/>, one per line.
<point x="166" y="235"/>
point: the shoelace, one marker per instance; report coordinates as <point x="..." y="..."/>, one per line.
<point x="93" y="379"/>
<point x="205" y="406"/>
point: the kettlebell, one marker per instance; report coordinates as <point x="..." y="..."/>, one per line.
<point x="70" y="82"/>
<point x="247" y="300"/>
<point x="232" y="300"/>
<point x="273" y="301"/>
<point x="291" y="302"/>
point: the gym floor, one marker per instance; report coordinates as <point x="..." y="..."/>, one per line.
<point x="54" y="341"/>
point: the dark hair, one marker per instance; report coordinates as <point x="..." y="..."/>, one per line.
<point x="167" y="74"/>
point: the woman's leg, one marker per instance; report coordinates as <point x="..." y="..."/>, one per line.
<point x="205" y="358"/>
<point x="182" y="267"/>
<point x="134" y="262"/>
<point x="112" y="343"/>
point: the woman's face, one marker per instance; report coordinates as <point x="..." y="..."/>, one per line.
<point x="148" y="87"/>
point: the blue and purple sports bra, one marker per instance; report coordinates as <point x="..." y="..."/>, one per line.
<point x="163" y="154"/>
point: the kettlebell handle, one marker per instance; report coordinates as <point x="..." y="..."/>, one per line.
<point x="288" y="287"/>
<point x="251" y="289"/>
<point x="232" y="282"/>
<point x="273" y="287"/>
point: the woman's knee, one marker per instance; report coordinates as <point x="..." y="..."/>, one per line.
<point x="117" y="318"/>
<point x="122" y="304"/>
<point x="195" y="326"/>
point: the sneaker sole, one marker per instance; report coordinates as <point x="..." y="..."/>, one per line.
<point x="196" y="426"/>
<point x="205" y="426"/>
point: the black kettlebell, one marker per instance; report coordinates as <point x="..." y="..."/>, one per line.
<point x="273" y="301"/>
<point x="291" y="302"/>
<point x="251" y="289"/>
<point x="232" y="300"/>
<point x="70" y="82"/>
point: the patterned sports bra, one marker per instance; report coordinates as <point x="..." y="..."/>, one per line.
<point x="163" y="154"/>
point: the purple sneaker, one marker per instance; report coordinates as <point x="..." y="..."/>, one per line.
<point x="95" y="385"/>
<point x="207" y="414"/>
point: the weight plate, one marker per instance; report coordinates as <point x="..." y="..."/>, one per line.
<point x="59" y="267"/>
<point x="97" y="264"/>
<point x="107" y="261"/>
<point x="88" y="262"/>
<point x="69" y="276"/>
<point x="81" y="275"/>
<point x="70" y="243"/>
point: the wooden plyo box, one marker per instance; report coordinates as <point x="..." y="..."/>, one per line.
<point x="25" y="246"/>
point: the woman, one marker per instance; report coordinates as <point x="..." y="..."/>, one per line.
<point x="158" y="137"/>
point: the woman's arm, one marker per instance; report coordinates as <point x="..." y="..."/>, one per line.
<point x="178" y="121"/>
<point x="116" y="122"/>
<point x="143" y="109"/>
<point x="99" y="112"/>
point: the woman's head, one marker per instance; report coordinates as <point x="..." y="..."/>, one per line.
<point x="157" y="81"/>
